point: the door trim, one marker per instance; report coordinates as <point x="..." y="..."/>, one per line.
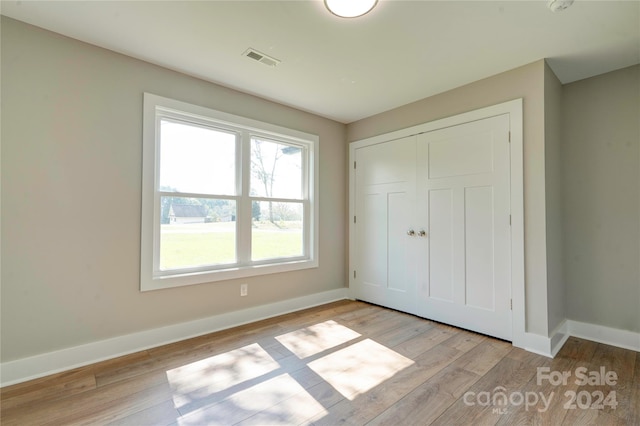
<point x="520" y="337"/>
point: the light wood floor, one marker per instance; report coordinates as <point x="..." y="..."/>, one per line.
<point x="342" y="363"/>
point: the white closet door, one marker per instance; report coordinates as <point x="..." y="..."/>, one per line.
<point x="385" y="213"/>
<point x="463" y="205"/>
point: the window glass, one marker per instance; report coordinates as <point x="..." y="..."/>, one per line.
<point x="276" y="230"/>
<point x="197" y="232"/>
<point x="195" y="159"/>
<point x="276" y="169"/>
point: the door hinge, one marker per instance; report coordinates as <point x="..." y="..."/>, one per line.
<point x="354" y="219"/>
<point x="509" y="220"/>
<point x="354" y="164"/>
<point x="511" y="304"/>
<point x="509" y="137"/>
<point x="354" y="274"/>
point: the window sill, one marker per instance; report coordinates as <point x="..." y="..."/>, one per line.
<point x="159" y="282"/>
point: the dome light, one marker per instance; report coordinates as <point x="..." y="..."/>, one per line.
<point x="350" y="8"/>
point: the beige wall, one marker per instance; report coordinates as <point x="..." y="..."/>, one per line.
<point x="556" y="288"/>
<point x="71" y="176"/>
<point x="601" y="138"/>
<point x="526" y="82"/>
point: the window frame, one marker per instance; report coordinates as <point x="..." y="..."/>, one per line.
<point x="151" y="277"/>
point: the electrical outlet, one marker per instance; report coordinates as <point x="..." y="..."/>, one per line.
<point x="244" y="289"/>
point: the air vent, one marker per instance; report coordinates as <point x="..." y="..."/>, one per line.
<point x="261" y="57"/>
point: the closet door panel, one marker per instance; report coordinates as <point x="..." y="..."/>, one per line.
<point x="463" y="197"/>
<point x="385" y="213"/>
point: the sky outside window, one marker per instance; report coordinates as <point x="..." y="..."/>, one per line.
<point x="196" y="159"/>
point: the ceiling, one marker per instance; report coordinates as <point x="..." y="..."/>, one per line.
<point x="348" y="69"/>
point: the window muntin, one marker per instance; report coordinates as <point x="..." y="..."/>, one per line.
<point x="223" y="196"/>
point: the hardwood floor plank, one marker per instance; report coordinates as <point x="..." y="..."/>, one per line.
<point x="464" y="341"/>
<point x="394" y="337"/>
<point x="51" y="388"/>
<point x="634" y="418"/>
<point x="311" y="340"/>
<point x="131" y="371"/>
<point x="477" y="406"/>
<point x="592" y="418"/>
<point x="219" y="373"/>
<point x="577" y="349"/>
<point x="429" y="400"/>
<point x="425" y="403"/>
<point x="380" y="322"/>
<point x="423" y="342"/>
<point x="547" y="407"/>
<point x="117" y="409"/>
<point x="120" y="362"/>
<point x="484" y="357"/>
<point x="365" y="407"/>
<point x="163" y="414"/>
<point x="299" y="408"/>
<point x="89" y="403"/>
<point x="243" y="404"/>
<point x="622" y="363"/>
<point x="330" y="311"/>
<point x="358" y="309"/>
<point x="326" y="395"/>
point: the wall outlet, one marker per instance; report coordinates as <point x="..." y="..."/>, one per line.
<point x="244" y="289"/>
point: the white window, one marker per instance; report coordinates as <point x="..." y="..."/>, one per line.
<point x="223" y="196"/>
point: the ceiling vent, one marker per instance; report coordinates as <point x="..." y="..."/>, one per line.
<point x="261" y="57"/>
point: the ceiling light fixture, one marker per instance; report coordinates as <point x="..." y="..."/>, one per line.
<point x="559" y="5"/>
<point x="350" y="8"/>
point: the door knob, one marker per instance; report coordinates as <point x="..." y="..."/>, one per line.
<point x="422" y="233"/>
<point x="411" y="232"/>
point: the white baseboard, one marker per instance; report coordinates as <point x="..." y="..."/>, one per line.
<point x="550" y="346"/>
<point x="559" y="337"/>
<point x="24" y="369"/>
<point x="607" y="335"/>
<point x="535" y="343"/>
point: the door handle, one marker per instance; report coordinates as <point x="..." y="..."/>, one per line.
<point x="411" y="233"/>
<point x="422" y="233"/>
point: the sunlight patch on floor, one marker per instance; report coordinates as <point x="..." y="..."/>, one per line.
<point x="248" y="386"/>
<point x="280" y="400"/>
<point x="316" y="338"/>
<point x="203" y="378"/>
<point x="360" y="367"/>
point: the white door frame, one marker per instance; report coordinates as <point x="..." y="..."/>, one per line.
<point x="514" y="110"/>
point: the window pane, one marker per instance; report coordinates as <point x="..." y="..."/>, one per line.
<point x="196" y="159"/>
<point x="276" y="230"/>
<point x="197" y="232"/>
<point x="276" y="170"/>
